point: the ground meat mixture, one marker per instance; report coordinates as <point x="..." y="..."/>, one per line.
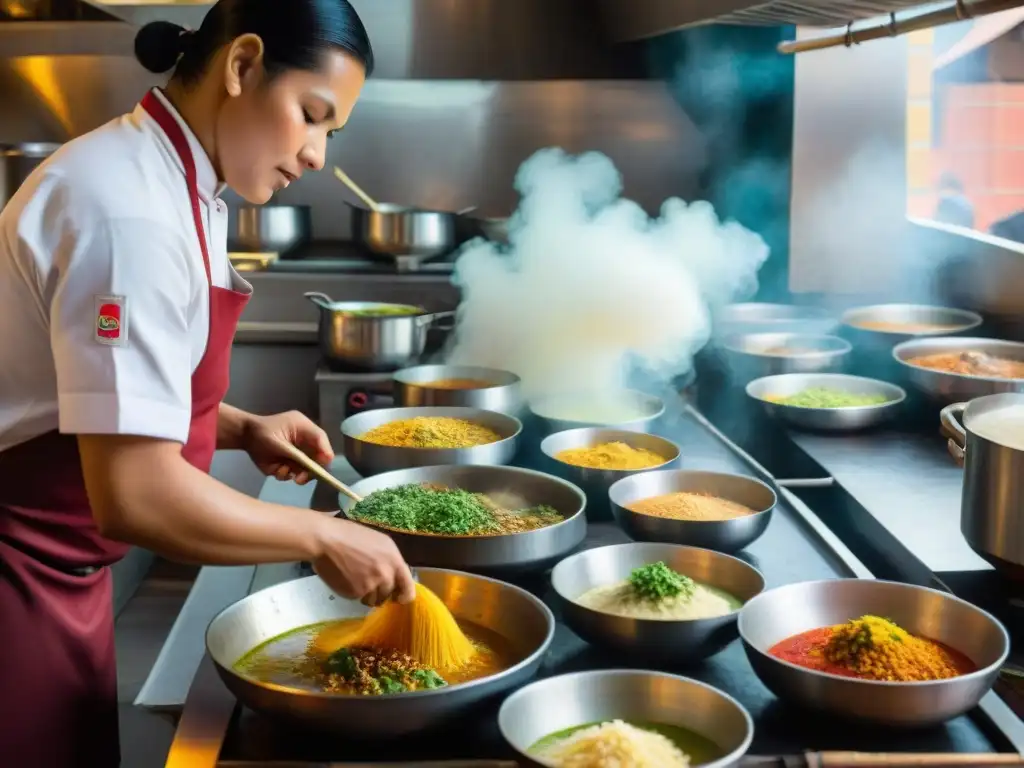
<point x="372" y="672"/>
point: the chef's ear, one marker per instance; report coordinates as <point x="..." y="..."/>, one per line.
<point x="244" y="64"/>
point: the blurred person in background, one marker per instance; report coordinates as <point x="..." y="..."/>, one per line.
<point x="954" y="207"/>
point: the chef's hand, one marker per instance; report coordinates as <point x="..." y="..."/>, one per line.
<point x="361" y="563"/>
<point x="264" y="434"/>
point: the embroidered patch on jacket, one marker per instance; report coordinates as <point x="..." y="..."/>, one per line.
<point x="112" y="321"/>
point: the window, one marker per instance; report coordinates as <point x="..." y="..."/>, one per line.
<point x="965" y="124"/>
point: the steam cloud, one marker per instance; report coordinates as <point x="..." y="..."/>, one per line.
<point x="591" y="289"/>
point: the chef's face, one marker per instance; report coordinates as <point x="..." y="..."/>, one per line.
<point x="272" y="130"/>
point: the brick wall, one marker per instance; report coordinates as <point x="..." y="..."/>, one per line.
<point x="983" y="144"/>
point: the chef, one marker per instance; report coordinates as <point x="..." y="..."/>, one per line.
<point x="118" y="306"/>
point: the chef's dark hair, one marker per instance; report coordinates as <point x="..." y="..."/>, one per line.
<point x="295" y="35"/>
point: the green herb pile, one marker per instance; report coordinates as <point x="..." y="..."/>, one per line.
<point x="426" y="510"/>
<point x="658" y="582"/>
<point x="822" y="397"/>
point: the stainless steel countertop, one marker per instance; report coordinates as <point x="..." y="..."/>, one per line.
<point x="909" y="483"/>
<point x="797" y="546"/>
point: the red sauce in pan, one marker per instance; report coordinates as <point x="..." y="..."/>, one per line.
<point x="805" y="650"/>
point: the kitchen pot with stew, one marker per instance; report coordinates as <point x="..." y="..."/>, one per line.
<point x="373" y="336"/>
<point x="986" y="435"/>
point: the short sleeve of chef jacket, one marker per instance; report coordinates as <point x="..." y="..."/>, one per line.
<point x="105" y="249"/>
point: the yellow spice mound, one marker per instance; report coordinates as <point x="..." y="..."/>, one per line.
<point x="683" y="505"/>
<point x="878" y="649"/>
<point x="431" y="432"/>
<point x="611" y="456"/>
<point x="615" y="744"/>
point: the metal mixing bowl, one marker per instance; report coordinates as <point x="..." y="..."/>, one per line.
<point x="506" y="553"/>
<point x="827" y="419"/>
<point x="749" y="358"/>
<point x="946" y="388"/>
<point x="755" y="317"/>
<point x="412" y="388"/>
<point x="781" y="613"/>
<point x="581" y="698"/>
<point x="370" y="458"/>
<point x="945" y="320"/>
<point x="648" y="409"/>
<point x="596" y="482"/>
<point x="509" y="611"/>
<point x="719" y="535"/>
<point x="678" y="641"/>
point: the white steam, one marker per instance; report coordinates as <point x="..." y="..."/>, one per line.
<point x="591" y="289"/>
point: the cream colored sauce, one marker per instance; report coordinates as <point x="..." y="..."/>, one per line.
<point x="619" y="600"/>
<point x="1004" y="426"/>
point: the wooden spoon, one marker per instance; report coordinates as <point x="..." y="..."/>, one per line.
<point x="322" y="474"/>
<point x="344" y="179"/>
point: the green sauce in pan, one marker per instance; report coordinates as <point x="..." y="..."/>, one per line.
<point x="700" y="749"/>
<point x="391" y="310"/>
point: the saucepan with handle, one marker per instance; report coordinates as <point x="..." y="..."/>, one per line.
<point x="373" y="336"/>
<point x="388" y="230"/>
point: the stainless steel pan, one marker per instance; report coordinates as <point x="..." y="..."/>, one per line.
<point x="509" y="611"/>
<point x="395" y="230"/>
<point x="372" y="343"/>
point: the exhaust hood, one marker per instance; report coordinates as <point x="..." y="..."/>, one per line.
<point x="457" y="39"/>
<point x="542" y="39"/>
<point x="628" y="20"/>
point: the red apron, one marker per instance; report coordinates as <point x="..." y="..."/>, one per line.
<point x="58" y="678"/>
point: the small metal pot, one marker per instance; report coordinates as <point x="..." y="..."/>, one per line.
<point x="372" y="343"/>
<point x="992" y="504"/>
<point x="394" y="230"/>
<point x="270" y="228"/>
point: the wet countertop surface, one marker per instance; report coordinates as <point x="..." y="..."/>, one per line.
<point x="789" y="551"/>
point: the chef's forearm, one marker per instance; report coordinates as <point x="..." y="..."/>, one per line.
<point x="144" y="493"/>
<point x="231" y="427"/>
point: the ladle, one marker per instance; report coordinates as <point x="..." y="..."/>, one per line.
<point x="321" y="473"/>
<point x="344" y="179"/>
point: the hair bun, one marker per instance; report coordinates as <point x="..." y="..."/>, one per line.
<point x="158" y="45"/>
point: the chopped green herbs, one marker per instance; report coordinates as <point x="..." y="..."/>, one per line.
<point x="447" y="512"/>
<point x="427" y="678"/>
<point x="341" y="662"/>
<point x="657" y="582"/>
<point x="415" y="508"/>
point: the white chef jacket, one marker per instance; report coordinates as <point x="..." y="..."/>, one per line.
<point x="107" y="220"/>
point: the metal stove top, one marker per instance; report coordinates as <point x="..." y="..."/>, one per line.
<point x="330" y="258"/>
<point x="341" y="394"/>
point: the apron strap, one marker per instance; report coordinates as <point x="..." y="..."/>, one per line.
<point x="169" y="125"/>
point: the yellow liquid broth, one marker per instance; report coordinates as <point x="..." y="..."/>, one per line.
<point x="293" y="660"/>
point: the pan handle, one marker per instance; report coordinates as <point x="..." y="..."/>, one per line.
<point x="433" y="318"/>
<point x="322" y="300"/>
<point x="951" y="417"/>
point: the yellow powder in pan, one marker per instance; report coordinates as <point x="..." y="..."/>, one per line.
<point x="684" y="505"/>
<point x="615" y="455"/>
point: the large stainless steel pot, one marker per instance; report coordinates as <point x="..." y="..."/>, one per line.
<point x="394" y="230"/>
<point x="17" y="162"/>
<point x="372" y="343"/>
<point x="511" y="612"/>
<point x="992" y="504"/>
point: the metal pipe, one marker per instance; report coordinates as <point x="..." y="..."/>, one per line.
<point x="949" y="14"/>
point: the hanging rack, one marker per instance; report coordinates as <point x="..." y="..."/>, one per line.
<point x="949" y="14"/>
